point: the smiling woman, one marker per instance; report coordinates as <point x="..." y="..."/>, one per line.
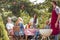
<point x="37" y="1"/>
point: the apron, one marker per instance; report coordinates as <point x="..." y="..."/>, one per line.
<point x="53" y="21"/>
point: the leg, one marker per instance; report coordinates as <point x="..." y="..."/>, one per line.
<point x="36" y="37"/>
<point x="11" y="37"/>
<point x="56" y="37"/>
<point x="26" y="37"/>
<point x="22" y="37"/>
<point x="14" y="38"/>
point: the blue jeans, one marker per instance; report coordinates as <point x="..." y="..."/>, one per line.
<point x="56" y="37"/>
<point x="37" y="34"/>
<point x="21" y="32"/>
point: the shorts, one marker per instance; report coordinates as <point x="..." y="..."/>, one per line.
<point x="10" y="32"/>
<point x="16" y="33"/>
<point x="21" y="33"/>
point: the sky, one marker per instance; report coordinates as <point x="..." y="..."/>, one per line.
<point x="37" y="1"/>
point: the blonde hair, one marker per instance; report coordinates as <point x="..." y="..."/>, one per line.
<point x="19" y="19"/>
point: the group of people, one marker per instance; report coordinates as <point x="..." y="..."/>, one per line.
<point x="20" y="24"/>
<point x="53" y="23"/>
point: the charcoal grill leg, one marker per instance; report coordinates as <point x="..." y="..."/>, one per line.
<point x="42" y="38"/>
<point x="48" y="38"/>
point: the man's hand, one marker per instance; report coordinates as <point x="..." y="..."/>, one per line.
<point x="56" y="24"/>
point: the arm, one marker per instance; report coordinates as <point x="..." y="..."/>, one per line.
<point x="56" y="24"/>
<point x="31" y="21"/>
<point x="37" y="22"/>
<point x="58" y="18"/>
<point x="49" y="21"/>
<point x="58" y="12"/>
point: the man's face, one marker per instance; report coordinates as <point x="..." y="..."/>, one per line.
<point x="53" y="4"/>
<point x="9" y="20"/>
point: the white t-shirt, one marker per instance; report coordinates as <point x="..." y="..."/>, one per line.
<point x="32" y="20"/>
<point x="57" y="9"/>
<point x="9" y="26"/>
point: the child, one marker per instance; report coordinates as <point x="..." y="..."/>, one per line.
<point x="48" y="24"/>
<point x="28" y="25"/>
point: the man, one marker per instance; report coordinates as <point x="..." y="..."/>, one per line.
<point x="55" y="19"/>
<point x="9" y="25"/>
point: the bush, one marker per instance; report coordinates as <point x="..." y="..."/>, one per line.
<point x="3" y="32"/>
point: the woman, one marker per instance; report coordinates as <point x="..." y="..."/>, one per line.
<point x="34" y="21"/>
<point x="20" y="24"/>
<point x="55" y="19"/>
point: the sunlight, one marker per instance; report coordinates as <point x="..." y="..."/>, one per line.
<point x="37" y="1"/>
<point x="32" y="0"/>
<point x="40" y="1"/>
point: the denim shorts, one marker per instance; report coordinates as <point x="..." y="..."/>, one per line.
<point x="21" y="32"/>
<point x="16" y="33"/>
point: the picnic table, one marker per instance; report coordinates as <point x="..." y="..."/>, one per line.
<point x="29" y="32"/>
